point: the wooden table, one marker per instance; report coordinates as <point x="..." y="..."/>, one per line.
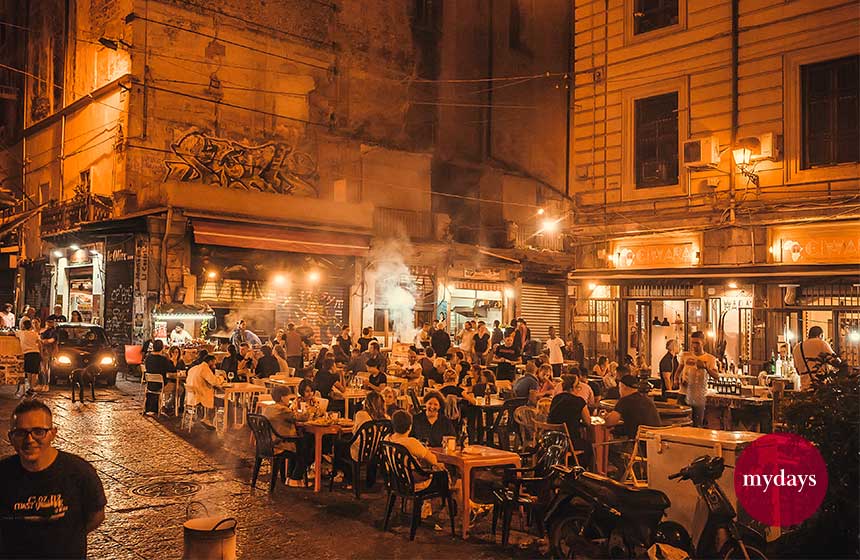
<point x="479" y="456"/>
<point x="177" y="376"/>
<point x="239" y="391"/>
<point x="291" y="383"/>
<point x="319" y="431"/>
<point x="724" y="404"/>
<point x="352" y="395"/>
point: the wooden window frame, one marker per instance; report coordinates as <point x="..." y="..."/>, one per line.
<point x="805" y="94"/>
<point x="630" y="24"/>
<point x="793" y="114"/>
<point x="629" y="191"/>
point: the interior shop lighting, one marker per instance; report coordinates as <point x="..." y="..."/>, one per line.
<point x="509" y="292"/>
<point x="212" y="275"/>
<point x="451" y="287"/>
<point x="183" y="316"/>
<point x="789" y="336"/>
<point x="541" y="211"/>
<point x="74" y="247"/>
<point x="94" y="252"/>
<point x="592" y="286"/>
<point x="313" y="276"/>
<point x="279" y="279"/>
<point x="733" y="285"/>
<point x="59" y="254"/>
<point x="854" y="336"/>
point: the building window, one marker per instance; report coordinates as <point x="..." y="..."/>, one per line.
<point x="649" y="15"/>
<point x="656" y="140"/>
<point x="830" y="108"/>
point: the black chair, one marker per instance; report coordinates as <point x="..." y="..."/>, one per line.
<point x="368" y="437"/>
<point x="504" y="423"/>
<point x="401" y="469"/>
<point x="416" y="402"/>
<point x="525" y="487"/>
<point x="265" y="449"/>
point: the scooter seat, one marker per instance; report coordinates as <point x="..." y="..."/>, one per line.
<point x="621" y="497"/>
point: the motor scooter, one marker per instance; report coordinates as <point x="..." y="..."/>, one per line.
<point x="723" y="536"/>
<point x="592" y="516"/>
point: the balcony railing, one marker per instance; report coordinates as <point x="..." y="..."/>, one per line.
<point x="69" y="214"/>
<point x="391" y="222"/>
<point x="541" y="241"/>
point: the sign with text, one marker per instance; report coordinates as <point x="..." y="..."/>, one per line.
<point x="829" y="244"/>
<point x="654" y="253"/>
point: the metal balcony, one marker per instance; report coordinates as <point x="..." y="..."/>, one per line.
<point x="391" y="222"/>
<point x="68" y="215"/>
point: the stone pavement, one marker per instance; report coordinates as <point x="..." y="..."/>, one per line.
<point x="151" y="472"/>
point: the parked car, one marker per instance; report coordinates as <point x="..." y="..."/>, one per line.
<point x="80" y="345"/>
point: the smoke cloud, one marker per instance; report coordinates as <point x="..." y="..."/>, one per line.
<point x="395" y="286"/>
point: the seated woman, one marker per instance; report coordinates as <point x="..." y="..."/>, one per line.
<point x="309" y="399"/>
<point x="569" y="409"/>
<point x="283" y="417"/>
<point x="373" y="409"/>
<point x="435" y="376"/>
<point x="432" y="424"/>
<point x="546" y="387"/>
<point x="280" y="354"/>
<point x="325" y="381"/>
<point x="389" y="401"/>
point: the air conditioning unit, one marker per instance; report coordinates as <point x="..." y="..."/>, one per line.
<point x="702" y="152"/>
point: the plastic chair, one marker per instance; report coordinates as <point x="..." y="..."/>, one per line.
<point x="369" y="436"/>
<point x="133" y="358"/>
<point x="402" y="471"/>
<point x="524" y="487"/>
<point x="149" y="380"/>
<point x="504" y="423"/>
<point x="544" y="427"/>
<point x="265" y="449"/>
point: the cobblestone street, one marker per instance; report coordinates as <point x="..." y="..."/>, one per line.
<point x="151" y="472"/>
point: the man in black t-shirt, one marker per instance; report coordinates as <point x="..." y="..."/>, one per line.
<point x="156" y="362"/>
<point x="634" y="408"/>
<point x="506" y="356"/>
<point x="49" y="499"/>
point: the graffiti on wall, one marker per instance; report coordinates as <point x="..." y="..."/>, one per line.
<point x="271" y="167"/>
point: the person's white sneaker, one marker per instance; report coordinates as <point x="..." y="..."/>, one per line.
<point x="295" y="483"/>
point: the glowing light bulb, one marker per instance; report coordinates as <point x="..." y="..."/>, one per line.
<point x="212" y="275"/>
<point x="313" y="276"/>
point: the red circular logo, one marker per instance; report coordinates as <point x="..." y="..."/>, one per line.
<point x="780" y="479"/>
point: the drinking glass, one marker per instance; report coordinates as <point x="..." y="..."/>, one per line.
<point x="231" y="376"/>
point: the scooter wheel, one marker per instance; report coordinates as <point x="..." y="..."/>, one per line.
<point x="570" y="538"/>
<point x="674" y="534"/>
<point x="735" y="552"/>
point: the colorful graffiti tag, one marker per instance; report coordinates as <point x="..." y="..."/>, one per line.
<point x="271" y="167"/>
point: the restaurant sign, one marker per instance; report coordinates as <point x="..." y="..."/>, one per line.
<point x="654" y="253"/>
<point x="828" y="244"/>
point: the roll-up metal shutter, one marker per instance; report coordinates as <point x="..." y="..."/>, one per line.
<point x="542" y="306"/>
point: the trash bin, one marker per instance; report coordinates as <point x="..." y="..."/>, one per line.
<point x="210" y="538"/>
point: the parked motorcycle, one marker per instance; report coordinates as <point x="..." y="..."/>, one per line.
<point x="592" y="516"/>
<point x="723" y="536"/>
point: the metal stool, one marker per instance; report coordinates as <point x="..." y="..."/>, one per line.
<point x="188" y="418"/>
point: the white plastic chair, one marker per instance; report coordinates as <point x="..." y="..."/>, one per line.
<point x="154" y="378"/>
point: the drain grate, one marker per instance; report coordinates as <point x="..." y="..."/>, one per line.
<point x="166" y="489"/>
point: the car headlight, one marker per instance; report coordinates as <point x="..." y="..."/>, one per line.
<point x="106" y="361"/>
<point x="65" y="360"/>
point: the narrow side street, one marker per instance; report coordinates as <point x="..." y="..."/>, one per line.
<point x="151" y="473"/>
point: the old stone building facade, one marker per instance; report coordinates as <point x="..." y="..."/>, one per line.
<point x="224" y="154"/>
<point x="754" y="250"/>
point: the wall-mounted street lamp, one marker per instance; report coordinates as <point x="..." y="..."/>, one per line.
<point x="113" y="44"/>
<point x="743" y="156"/>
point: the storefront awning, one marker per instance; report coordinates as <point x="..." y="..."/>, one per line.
<point x="273" y="238"/>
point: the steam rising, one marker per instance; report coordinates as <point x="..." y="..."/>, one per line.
<point x="395" y="285"/>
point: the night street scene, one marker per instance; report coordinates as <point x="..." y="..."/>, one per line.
<point x="396" y="279"/>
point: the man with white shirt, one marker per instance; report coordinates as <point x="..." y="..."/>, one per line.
<point x="7" y="317"/>
<point x="555" y="345"/>
<point x="179" y="336"/>
<point x="694" y="368"/>
<point x="806" y="352"/>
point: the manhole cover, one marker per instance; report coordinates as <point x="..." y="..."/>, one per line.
<point x="167" y="489"/>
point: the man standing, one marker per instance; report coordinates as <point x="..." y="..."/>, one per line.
<point x="440" y="340"/>
<point x="179" y="336"/>
<point x="57" y="315"/>
<point x="366" y="338"/>
<point x="29" y="313"/>
<point x="807" y="351"/>
<point x="422" y="338"/>
<point x="498" y="336"/>
<point x="668" y="365"/>
<point x="306" y="331"/>
<point x="555" y="345"/>
<point x="31" y="347"/>
<point x="693" y="370"/>
<point x="522" y="335"/>
<point x="295" y="348"/>
<point x="506" y="356"/>
<point x="49" y="499"/>
<point x="241" y="334"/>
